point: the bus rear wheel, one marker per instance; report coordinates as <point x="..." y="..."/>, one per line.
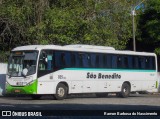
<point x="61" y="92"/>
<point x="125" y="91"/>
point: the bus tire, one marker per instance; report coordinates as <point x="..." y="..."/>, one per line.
<point x="61" y="92"/>
<point x="36" y="97"/>
<point x="100" y="95"/>
<point x="125" y="91"/>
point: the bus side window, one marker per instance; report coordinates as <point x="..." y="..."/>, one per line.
<point x="57" y="60"/>
<point x="86" y="60"/>
<point x="67" y="59"/>
<point x="153" y="63"/>
<point x="62" y="60"/>
<point x="147" y="63"/>
<point x="76" y="59"/>
<point x="80" y="60"/>
<point x="49" y="62"/>
<point x="135" y="62"/>
<point x="46" y="62"/>
<point x="141" y="61"/>
<point x="89" y="60"/>
<point x="125" y="62"/>
<point x="93" y="60"/>
<point x="114" y="61"/>
<point x="109" y="61"/>
<point x="130" y="63"/>
<point x="104" y="61"/>
<point x="42" y="63"/>
<point x="97" y="61"/>
<point x="119" y="62"/>
<point x="73" y="60"/>
<point x="101" y="61"/>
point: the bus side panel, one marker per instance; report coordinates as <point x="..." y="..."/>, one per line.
<point x="142" y="81"/>
<point x="149" y="83"/>
<point x="73" y="80"/>
<point x="76" y="87"/>
<point x="46" y="84"/>
<point x="89" y="80"/>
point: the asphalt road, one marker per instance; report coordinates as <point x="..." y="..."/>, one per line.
<point x="83" y="102"/>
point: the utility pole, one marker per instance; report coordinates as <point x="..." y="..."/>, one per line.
<point x="134" y="36"/>
<point x="133" y="23"/>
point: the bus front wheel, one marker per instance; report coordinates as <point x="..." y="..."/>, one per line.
<point x="61" y="92"/>
<point x="125" y="91"/>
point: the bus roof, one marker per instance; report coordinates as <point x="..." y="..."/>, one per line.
<point x="34" y="47"/>
<point x="81" y="48"/>
<point x="90" y="47"/>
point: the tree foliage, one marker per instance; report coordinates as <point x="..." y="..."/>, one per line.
<point x="149" y="26"/>
<point x="99" y="22"/>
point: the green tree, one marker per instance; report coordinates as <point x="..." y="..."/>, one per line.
<point x="99" y="22"/>
<point x="149" y="26"/>
<point x="21" y="22"/>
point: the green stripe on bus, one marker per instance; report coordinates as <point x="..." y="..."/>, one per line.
<point x="120" y="70"/>
<point x="27" y="89"/>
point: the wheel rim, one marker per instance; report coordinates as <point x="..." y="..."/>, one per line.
<point x="125" y="90"/>
<point x="61" y="92"/>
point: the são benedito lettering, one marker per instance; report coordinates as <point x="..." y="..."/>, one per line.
<point x="103" y="76"/>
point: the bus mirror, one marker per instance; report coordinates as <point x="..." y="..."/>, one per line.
<point x="25" y="71"/>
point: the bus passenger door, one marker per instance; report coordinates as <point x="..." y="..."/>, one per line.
<point x="45" y="83"/>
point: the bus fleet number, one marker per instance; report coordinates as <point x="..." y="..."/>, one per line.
<point x="61" y="77"/>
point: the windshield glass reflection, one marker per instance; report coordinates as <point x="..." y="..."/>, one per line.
<point x="21" y="60"/>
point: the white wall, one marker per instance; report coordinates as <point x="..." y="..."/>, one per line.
<point x="3" y="70"/>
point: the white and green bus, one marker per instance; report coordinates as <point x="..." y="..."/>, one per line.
<point x="38" y="70"/>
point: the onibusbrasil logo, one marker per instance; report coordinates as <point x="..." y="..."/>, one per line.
<point x="20" y="113"/>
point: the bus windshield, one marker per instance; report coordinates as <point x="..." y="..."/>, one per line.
<point x="20" y="60"/>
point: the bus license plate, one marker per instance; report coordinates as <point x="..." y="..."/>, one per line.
<point x="21" y="83"/>
<point x="17" y="91"/>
